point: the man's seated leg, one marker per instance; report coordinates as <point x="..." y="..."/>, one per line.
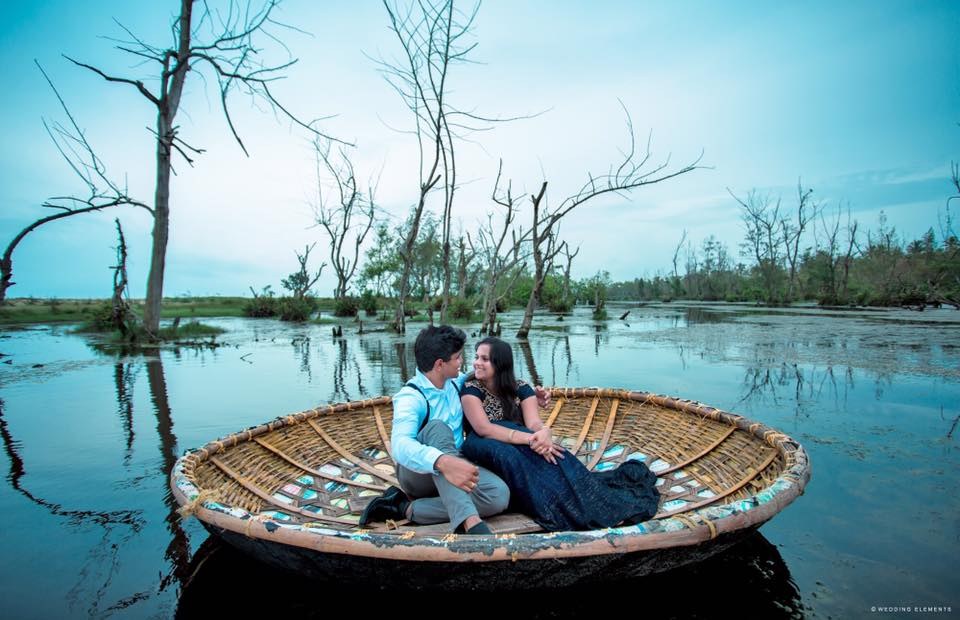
<point x="454" y="504"/>
<point x="492" y="494"/>
<point x="434" y="495"/>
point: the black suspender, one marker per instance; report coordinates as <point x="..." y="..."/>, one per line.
<point x="426" y="418"/>
<point x="413" y="385"/>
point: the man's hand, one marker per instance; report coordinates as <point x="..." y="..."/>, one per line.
<point x="459" y="472"/>
<point x="543" y="396"/>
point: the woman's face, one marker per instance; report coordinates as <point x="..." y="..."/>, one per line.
<point x="482" y="367"/>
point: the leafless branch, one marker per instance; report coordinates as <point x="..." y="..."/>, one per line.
<point x="336" y="216"/>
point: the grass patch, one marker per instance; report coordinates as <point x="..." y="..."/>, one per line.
<point x="20" y="311"/>
<point x="189" y="307"/>
<point x="29" y="310"/>
<point x="549" y="328"/>
<point x="190" y="330"/>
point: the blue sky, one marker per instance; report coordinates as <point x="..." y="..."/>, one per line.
<point x="860" y="100"/>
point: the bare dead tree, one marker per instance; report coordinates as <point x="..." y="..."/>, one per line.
<point x="221" y="47"/>
<point x="102" y="192"/>
<point x="676" y="254"/>
<point x="433" y="36"/>
<point x="692" y="275"/>
<point x="633" y="171"/>
<point x="336" y="215"/>
<point x="830" y="252"/>
<point x="500" y="261"/>
<point x="465" y="255"/>
<point x="300" y="282"/>
<point x="791" y="233"/>
<point x="761" y="218"/>
<point x="946" y="222"/>
<point x="839" y="260"/>
<point x="852" y="245"/>
<point x="121" y="315"/>
<point x="566" y="270"/>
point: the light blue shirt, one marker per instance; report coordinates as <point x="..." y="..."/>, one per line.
<point x="409" y="411"/>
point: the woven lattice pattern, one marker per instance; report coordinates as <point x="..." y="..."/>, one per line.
<point x="325" y="465"/>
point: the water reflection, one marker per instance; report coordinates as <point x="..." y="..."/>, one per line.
<point x="401" y="348"/>
<point x="532" y="375"/>
<point x="843" y="386"/>
<point x="561" y="356"/>
<point x="381" y="356"/>
<point x="748" y="580"/>
<point x="347" y="366"/>
<point x="177" y="553"/>
<point x="130" y="518"/>
<point x="124" y="375"/>
<point x="699" y="316"/>
<point x="301" y="349"/>
<point x="117" y="527"/>
<point x="803" y="390"/>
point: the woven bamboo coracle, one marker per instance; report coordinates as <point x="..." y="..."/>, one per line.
<point x="299" y="483"/>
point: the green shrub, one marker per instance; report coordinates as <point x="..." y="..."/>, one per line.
<point x="191" y="329"/>
<point x="346" y="306"/>
<point x="368" y="301"/>
<point x="296" y="309"/>
<point x="260" y="307"/>
<point x="461" y="309"/>
<point x="560" y="305"/>
<point x="99" y="318"/>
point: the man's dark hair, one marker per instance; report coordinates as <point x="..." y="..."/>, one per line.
<point x="437" y="343"/>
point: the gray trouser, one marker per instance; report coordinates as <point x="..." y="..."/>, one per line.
<point x="438" y="500"/>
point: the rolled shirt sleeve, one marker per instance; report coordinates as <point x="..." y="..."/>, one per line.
<point x="409" y="410"/>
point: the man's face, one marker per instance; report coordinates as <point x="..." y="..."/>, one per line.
<point x="450" y="368"/>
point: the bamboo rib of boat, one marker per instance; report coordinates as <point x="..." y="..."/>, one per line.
<point x="291" y="491"/>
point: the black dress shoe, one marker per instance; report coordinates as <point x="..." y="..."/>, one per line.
<point x="478" y="529"/>
<point x="391" y="505"/>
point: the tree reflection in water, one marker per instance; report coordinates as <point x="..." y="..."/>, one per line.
<point x="555" y="364"/>
<point x="346" y="366"/>
<point x="807" y="389"/>
<point x="532" y="375"/>
<point x="124" y="375"/>
<point x="301" y="348"/>
<point x="177" y="553"/>
<point x="118" y="527"/>
<point x="749" y="580"/>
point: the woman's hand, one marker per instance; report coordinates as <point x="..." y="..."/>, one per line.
<point x="541" y="439"/>
<point x="542" y="444"/>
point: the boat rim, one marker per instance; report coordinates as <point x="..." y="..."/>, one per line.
<point x="688" y="528"/>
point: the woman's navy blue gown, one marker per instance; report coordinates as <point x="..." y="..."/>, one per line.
<point x="566" y="496"/>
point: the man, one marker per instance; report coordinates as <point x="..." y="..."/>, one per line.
<point x="426" y="439"/>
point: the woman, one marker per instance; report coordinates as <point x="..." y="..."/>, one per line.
<point x="507" y="436"/>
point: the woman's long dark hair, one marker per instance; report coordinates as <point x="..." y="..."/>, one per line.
<point x="504" y="381"/>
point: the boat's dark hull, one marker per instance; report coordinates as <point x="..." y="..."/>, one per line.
<point x="499" y="575"/>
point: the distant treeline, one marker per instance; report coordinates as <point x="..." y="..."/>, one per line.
<point x="838" y="265"/>
<point x="879" y="270"/>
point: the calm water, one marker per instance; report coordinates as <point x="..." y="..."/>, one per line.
<point x="89" y="436"/>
